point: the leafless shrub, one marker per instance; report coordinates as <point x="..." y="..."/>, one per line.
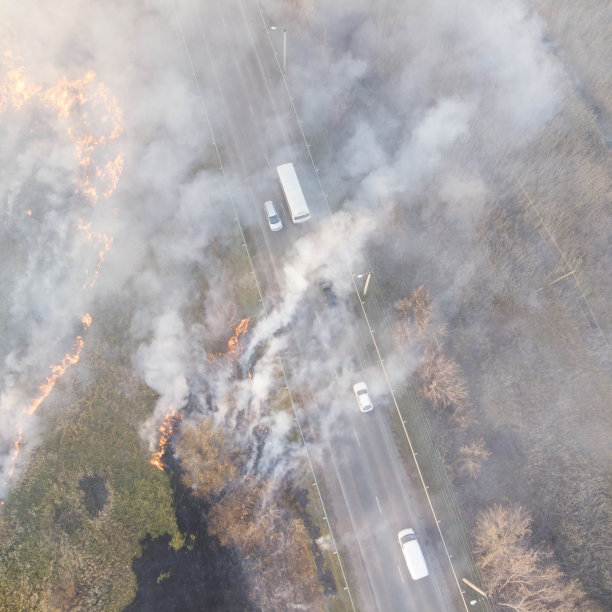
<point x="301" y="11"/>
<point x="276" y="546"/>
<point x="471" y="457"/>
<point x="208" y="461"/>
<point x="414" y="316"/>
<point x="517" y="577"/>
<point x="462" y="416"/>
<point x="439" y="379"/>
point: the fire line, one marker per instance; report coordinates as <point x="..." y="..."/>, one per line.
<point x="233" y="344"/>
<point x="58" y="370"/>
<point x="166" y="429"/>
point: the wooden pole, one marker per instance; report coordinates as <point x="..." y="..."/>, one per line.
<point x="474" y="587"/>
<point x="365" y="288"/>
<point x="562" y="277"/>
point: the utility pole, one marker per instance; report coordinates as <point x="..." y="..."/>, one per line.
<point x="365" y="287"/>
<point x="367" y="281"/>
<point x="284" y="47"/>
<point x="479" y="591"/>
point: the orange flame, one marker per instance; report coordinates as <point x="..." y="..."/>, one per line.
<point x="233" y="344"/>
<point x="99" y="238"/>
<point x="58" y="370"/>
<point x="15" y="90"/>
<point x="166" y="429"/>
<point x="112" y="173"/>
<point x="77" y="100"/>
<point x="16" y="445"/>
<point x="13" y="459"/>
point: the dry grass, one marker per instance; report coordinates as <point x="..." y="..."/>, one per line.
<point x="247" y="514"/>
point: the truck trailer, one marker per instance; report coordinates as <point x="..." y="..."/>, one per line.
<point x="292" y="191"/>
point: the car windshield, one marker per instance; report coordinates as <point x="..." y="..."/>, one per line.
<point x="274" y="219"/>
<point x="328" y="293"/>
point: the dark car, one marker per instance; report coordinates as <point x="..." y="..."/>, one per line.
<point x="328" y="293"/>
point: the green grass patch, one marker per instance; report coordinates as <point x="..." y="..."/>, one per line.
<point x="57" y="549"/>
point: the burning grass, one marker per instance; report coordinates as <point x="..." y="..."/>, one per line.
<point x="166" y="430"/>
<point x="59" y="369"/>
<point x="59" y="551"/>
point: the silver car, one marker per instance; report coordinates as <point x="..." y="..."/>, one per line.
<point x="273" y="219"/>
<point x="363" y="397"/>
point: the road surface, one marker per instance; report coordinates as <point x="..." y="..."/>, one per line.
<point x="367" y="491"/>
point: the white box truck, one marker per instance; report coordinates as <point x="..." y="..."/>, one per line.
<point x="413" y="554"/>
<point x="293" y="193"/>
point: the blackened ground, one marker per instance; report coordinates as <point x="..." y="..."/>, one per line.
<point x="95" y="494"/>
<point x="298" y="500"/>
<point x="202" y="575"/>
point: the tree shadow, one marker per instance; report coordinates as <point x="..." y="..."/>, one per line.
<point x="202" y="575"/>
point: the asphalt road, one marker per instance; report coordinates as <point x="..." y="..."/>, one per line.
<point x="367" y="491"/>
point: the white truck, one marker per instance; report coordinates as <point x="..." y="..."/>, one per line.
<point x="293" y="193"/>
<point x="413" y="554"/>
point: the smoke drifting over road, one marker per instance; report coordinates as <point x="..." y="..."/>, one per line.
<point x="400" y="88"/>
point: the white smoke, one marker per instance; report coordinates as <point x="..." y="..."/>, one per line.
<point x="398" y="89"/>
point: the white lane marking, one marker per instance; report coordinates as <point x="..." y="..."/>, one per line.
<point x="379" y="508"/>
<point x="400" y="573"/>
<point x="252" y="112"/>
<point x="356" y="436"/>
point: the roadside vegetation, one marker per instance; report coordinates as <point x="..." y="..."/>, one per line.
<point x="254" y="515"/>
<point x="440" y="383"/>
<point x="94" y="525"/>
<point x="520" y="569"/>
<point x="517" y="575"/>
<point x="514" y="347"/>
<point x="72" y="526"/>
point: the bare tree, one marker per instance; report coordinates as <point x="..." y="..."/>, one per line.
<point x="516" y="576"/>
<point x="440" y="380"/>
<point x="500" y="529"/>
<point x="414" y="316"/>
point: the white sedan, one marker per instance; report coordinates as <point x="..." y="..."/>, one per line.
<point x="272" y="215"/>
<point x="363" y="397"/>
